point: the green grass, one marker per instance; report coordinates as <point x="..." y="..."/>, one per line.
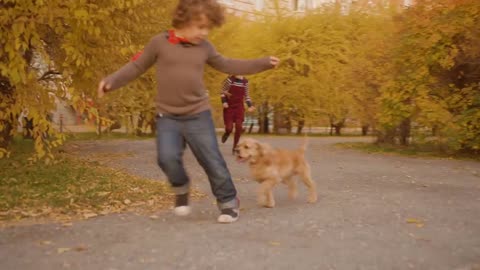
<point x="71" y="188"/>
<point x="82" y="136"/>
<point x="254" y="134"/>
<point x="421" y="150"/>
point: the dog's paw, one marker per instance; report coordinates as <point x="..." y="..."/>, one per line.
<point x="312" y="198"/>
<point x="266" y="204"/>
<point x="269" y="204"/>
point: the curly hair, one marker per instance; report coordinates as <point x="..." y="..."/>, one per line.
<point x="189" y="10"/>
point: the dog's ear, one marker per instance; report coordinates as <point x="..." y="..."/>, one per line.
<point x="262" y="148"/>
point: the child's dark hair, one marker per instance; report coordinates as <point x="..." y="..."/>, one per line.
<point x="189" y="10"/>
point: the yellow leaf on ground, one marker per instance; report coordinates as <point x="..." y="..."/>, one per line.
<point x="127" y="201"/>
<point x="273" y="243"/>
<point x="138" y="204"/>
<point x="417" y="222"/>
<point x="413" y="220"/>
<point x="104" y="212"/>
<point x="62" y="250"/>
<point x="89" y="215"/>
<point x="46" y="242"/>
<point x="80" y="248"/>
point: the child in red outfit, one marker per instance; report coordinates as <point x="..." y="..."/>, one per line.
<point x="234" y="93"/>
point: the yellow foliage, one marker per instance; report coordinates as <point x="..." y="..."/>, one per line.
<point x="78" y="42"/>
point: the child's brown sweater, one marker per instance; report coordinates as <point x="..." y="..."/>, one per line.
<point x="179" y="73"/>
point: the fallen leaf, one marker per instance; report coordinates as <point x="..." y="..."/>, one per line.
<point x="154" y="217"/>
<point x="273" y="243"/>
<point x="80" y="248"/>
<point x="104" y="212"/>
<point x="103" y="193"/>
<point x="62" y="250"/>
<point x="16" y="164"/>
<point x="27" y="214"/>
<point x="89" y="215"/>
<point x="138" y="204"/>
<point x="46" y="242"/>
<point x="417" y="222"/>
<point x="12" y="180"/>
<point x="413" y="220"/>
<point x="127" y="201"/>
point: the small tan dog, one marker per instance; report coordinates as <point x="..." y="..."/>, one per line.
<point x="270" y="166"/>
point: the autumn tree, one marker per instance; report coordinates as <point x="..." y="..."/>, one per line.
<point x="59" y="50"/>
<point x="310" y="81"/>
<point x="435" y="76"/>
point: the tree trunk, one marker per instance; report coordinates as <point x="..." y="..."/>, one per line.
<point x="28" y="129"/>
<point x="338" y="127"/>
<point x="140" y="121"/>
<point x="282" y="121"/>
<point x="6" y="93"/>
<point x="386" y="137"/>
<point x="301" y="125"/>
<point x="365" y="129"/>
<point x="99" y="127"/>
<point x="264" y="127"/>
<point x="250" y="128"/>
<point x="289" y="125"/>
<point x="153" y="126"/>
<point x="405" y="131"/>
<point x="5" y="134"/>
<point x="263" y="120"/>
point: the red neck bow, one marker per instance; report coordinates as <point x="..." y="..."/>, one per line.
<point x="174" y="39"/>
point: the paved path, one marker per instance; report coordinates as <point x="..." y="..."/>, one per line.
<point x="360" y="221"/>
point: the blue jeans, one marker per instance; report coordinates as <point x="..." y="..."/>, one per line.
<point x="198" y="132"/>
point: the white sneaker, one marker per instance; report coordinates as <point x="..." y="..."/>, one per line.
<point x="182" y="211"/>
<point x="229" y="215"/>
<point x="181" y="205"/>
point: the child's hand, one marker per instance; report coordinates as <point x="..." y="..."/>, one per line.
<point x="102" y="88"/>
<point x="225" y="105"/>
<point x="251" y="109"/>
<point x="274" y="61"/>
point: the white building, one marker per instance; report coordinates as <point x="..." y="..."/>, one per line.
<point x="254" y="7"/>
